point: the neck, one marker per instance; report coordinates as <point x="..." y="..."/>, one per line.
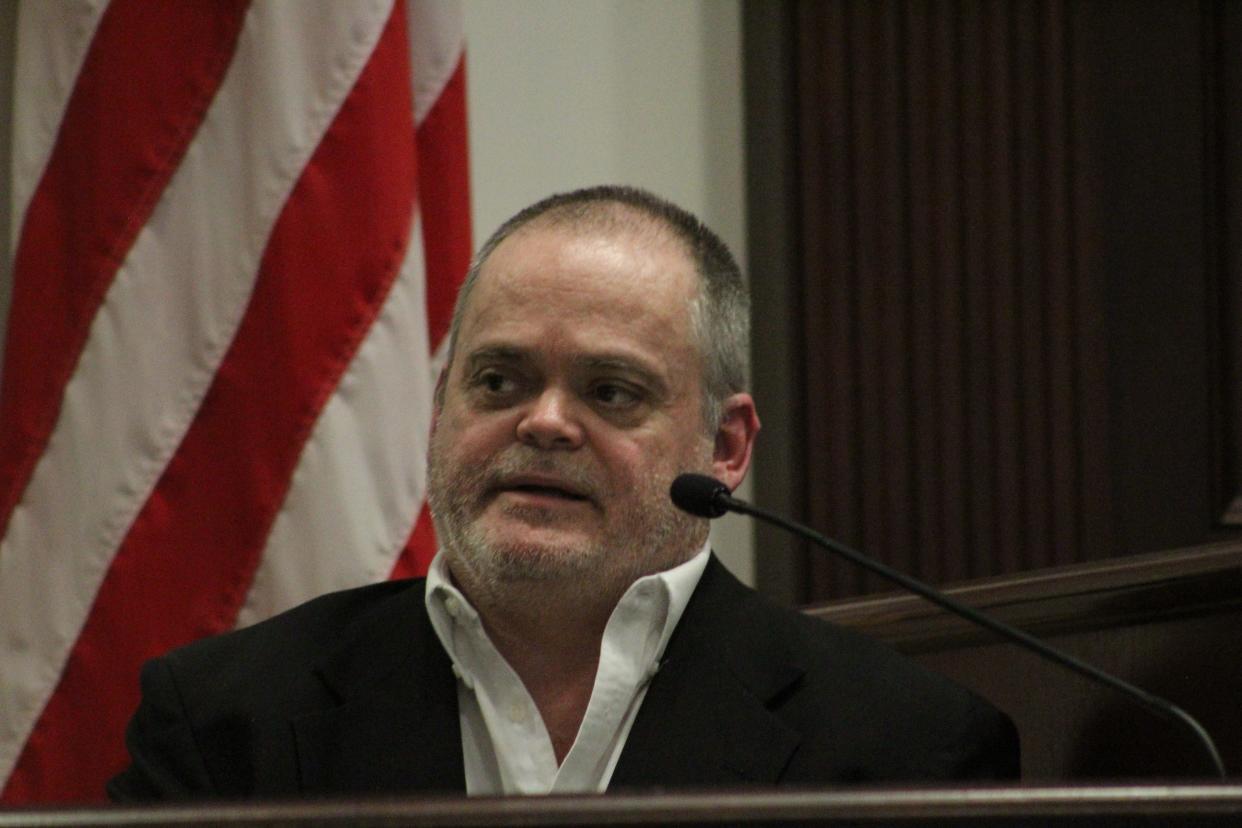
<point x="551" y="638"/>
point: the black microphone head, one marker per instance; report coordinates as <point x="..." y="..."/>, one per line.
<point x="699" y="495"/>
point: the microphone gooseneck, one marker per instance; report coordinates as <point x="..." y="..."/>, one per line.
<point x="707" y="497"/>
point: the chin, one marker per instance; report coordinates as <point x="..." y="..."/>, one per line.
<point x="508" y="556"/>
<point x="499" y="551"/>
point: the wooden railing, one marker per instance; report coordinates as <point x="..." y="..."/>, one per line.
<point x="1170" y="622"/>
<point x="1101" y="806"/>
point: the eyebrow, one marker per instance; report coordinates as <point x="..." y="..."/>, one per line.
<point x="622" y="363"/>
<point x="625" y="365"/>
<point x="494" y="353"/>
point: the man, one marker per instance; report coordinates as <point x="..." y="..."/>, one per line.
<point x="574" y="632"/>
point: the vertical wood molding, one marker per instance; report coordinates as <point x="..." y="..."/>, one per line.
<point x="1017" y="293"/>
<point x="774" y="255"/>
<point x="945" y="329"/>
<point x="1226" y="86"/>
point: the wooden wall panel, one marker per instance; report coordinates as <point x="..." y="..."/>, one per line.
<point x="1165" y="621"/>
<point x="1018" y="302"/>
<point x="1227" y="203"/>
<point x="945" y="337"/>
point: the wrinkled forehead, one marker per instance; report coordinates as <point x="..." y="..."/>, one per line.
<point x="598" y="288"/>
<point x="605" y="259"/>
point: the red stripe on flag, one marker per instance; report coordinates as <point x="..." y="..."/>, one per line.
<point x="188" y="560"/>
<point x="419" y="550"/>
<point x="444" y="189"/>
<point x="147" y="80"/>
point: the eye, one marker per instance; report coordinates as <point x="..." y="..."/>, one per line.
<point x="495" y="382"/>
<point x="614" y="395"/>
<point x="492" y="384"/>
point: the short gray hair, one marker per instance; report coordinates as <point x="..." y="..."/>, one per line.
<point x="720" y="314"/>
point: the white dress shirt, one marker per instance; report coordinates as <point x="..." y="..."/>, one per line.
<point x="505" y="745"/>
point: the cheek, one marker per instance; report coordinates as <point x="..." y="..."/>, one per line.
<point x="466" y="437"/>
<point x="617" y="459"/>
<point x="637" y="465"/>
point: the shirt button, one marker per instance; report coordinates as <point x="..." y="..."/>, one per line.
<point x="453" y="606"/>
<point x="517" y="713"/>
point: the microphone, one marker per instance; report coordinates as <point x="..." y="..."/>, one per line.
<point x="700" y="495"/>
<point x="707" y="497"/>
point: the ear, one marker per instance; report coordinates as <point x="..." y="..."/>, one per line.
<point x="735" y="438"/>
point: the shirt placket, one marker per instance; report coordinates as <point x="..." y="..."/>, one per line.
<point x="522" y="746"/>
<point x="625" y="662"/>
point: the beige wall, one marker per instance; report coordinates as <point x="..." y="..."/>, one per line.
<point x="566" y="93"/>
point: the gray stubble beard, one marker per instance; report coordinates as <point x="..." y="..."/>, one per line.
<point x="494" y="571"/>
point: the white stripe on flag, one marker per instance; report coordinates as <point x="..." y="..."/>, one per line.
<point x="50" y="66"/>
<point x="343" y="522"/>
<point x="361" y="477"/>
<point x="436" y="40"/>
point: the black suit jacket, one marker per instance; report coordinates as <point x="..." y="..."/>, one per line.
<point x="352" y="693"/>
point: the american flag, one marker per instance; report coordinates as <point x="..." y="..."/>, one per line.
<point x="238" y="231"/>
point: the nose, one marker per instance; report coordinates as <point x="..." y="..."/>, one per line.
<point x="549" y="422"/>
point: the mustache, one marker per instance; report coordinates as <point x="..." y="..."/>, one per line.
<point x="519" y="461"/>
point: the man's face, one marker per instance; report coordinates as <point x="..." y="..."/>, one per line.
<point x="573" y="399"/>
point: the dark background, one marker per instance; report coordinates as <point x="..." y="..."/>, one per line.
<point x="994" y="249"/>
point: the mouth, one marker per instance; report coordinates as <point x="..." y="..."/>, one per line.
<point x="544" y="488"/>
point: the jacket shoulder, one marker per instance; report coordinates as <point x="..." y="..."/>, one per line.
<point x="271" y="663"/>
<point x="898" y="718"/>
<point x="215" y="714"/>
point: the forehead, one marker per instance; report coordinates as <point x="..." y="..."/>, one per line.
<point x="612" y="281"/>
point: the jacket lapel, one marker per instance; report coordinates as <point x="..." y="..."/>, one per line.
<point x="396" y="728"/>
<point x="705" y="720"/>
